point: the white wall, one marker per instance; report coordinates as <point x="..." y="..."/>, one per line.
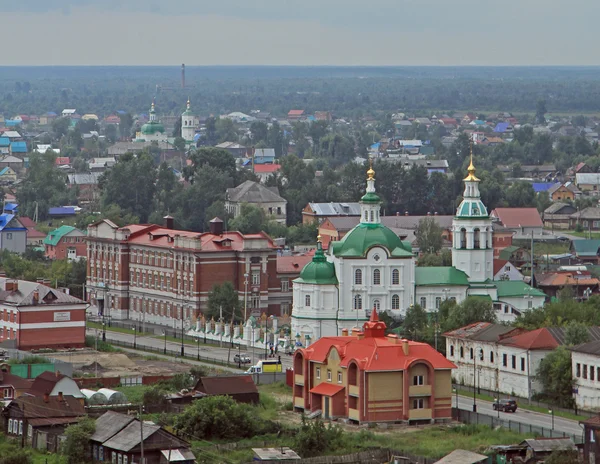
<point x="430" y="293"/>
<point x="588" y="395"/>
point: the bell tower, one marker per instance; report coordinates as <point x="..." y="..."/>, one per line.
<point x="188" y="127"/>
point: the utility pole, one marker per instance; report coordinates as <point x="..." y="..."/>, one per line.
<point x="142" y="460"/>
<point x="221" y="328"/>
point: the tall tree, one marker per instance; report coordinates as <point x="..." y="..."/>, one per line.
<point x="223" y="297"/>
<point x="250" y="220"/>
<point x="555" y="375"/>
<point x="540" y="111"/>
<point x="429" y="235"/>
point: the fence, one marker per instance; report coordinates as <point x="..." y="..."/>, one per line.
<point x="541" y="404"/>
<point x="375" y="456"/>
<point x="108" y="382"/>
<point x="33" y="370"/>
<point x="470" y="417"/>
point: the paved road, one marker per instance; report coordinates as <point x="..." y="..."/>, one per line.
<point x="207" y="351"/>
<point x="537" y="419"/>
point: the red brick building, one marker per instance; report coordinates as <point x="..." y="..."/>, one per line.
<point x="150" y="273"/>
<point x="371" y="377"/>
<point x="36" y="316"/>
<point x="66" y="242"/>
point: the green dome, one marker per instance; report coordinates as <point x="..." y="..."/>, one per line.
<point x="319" y="270"/>
<point x="359" y="240"/>
<point x="153" y="127"/>
<point x="370" y="198"/>
<point x="472" y="208"/>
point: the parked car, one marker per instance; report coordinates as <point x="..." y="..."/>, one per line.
<point x="242" y="359"/>
<point x="505" y="405"/>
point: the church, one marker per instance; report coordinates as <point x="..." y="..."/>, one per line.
<point x="372" y="268"/>
<point x="154" y="130"/>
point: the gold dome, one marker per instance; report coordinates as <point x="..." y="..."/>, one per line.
<point x="471" y="169"/>
<point x="370" y="172"/>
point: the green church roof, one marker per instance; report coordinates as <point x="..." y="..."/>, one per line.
<point x="359" y="240"/>
<point x="152" y="127"/>
<point x="472" y="208"/>
<point x="438" y="275"/>
<point x="517" y="288"/>
<point x="370" y="197"/>
<point x="319" y="270"/>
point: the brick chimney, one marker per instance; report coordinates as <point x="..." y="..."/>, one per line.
<point x="36" y="297"/>
<point x="406" y="213"/>
<point x="61" y="398"/>
<point x="405" y="346"/>
<point x="393" y="338"/>
<point x="46" y="397"/>
<point x="169" y="222"/>
<point x="344" y="332"/>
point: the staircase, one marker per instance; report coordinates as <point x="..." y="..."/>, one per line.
<point x="314" y="414"/>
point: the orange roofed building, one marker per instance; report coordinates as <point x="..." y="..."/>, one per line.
<point x="371" y="377"/>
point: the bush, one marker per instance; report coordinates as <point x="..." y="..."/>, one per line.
<point x="29" y="360"/>
<point x="154" y="398"/>
<point x="314" y="438"/>
<point x="217" y="417"/>
<point x="90" y="341"/>
<point x="77" y="444"/>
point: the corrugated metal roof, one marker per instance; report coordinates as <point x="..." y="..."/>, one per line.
<point x="129" y="437"/>
<point x="109" y="424"/>
<point x="460" y="456"/>
<point x="336" y="209"/>
<point x="547" y="445"/>
<point x="253" y="192"/>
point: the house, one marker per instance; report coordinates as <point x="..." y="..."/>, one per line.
<point x="585" y="362"/>
<point x="323" y="116"/>
<point x="4" y="145"/>
<point x="18" y="147"/>
<point x="54" y="384"/>
<point x="68" y="112"/>
<point x="461" y="456"/>
<point x="539" y="449"/>
<point x="558" y="216"/>
<point x="564" y="191"/>
<point x="295" y="115"/>
<point x="43" y="148"/>
<point x="264" y="171"/>
<point x="585" y="250"/>
<point x="266" y="198"/>
<point x="121" y="438"/>
<point x="588" y="182"/>
<point x="370" y="377"/>
<point x="112" y="119"/>
<point x="263" y="156"/>
<point x="101" y="164"/>
<point x="516" y="255"/>
<point x="62" y="161"/>
<point x="65" y="242"/>
<point x="321" y="211"/>
<point x="61" y="211"/>
<point x="8" y="176"/>
<point x="240" y="388"/>
<point x="24" y="304"/>
<point x="582" y="283"/>
<point x="522" y="221"/>
<point x="86" y="184"/>
<point x="13" y="235"/>
<point x="588" y="218"/>
<point x="12" y="386"/>
<point x="505" y="270"/>
<point x="237" y="150"/>
<point x="288" y="269"/>
<point x="41" y="419"/>
<point x="11" y="162"/>
<point x="591" y="438"/>
<point x="47" y="118"/>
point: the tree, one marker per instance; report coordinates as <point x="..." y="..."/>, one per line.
<point x="415" y="321"/>
<point x="250" y="220"/>
<point x="77" y="444"/>
<point x="563" y="457"/>
<point x="179" y="143"/>
<point x="125" y="125"/>
<point x="259" y="131"/>
<point x="111" y="133"/>
<point x="471" y="310"/>
<point x="314" y="437"/>
<point x="540" y="111"/>
<point x="60" y="127"/>
<point x="576" y="333"/>
<point x="555" y="375"/>
<point x="217" y="418"/>
<point x="223" y="298"/>
<point x="520" y="194"/>
<point x="214" y="157"/>
<point x="226" y="131"/>
<point x="177" y="128"/>
<point x="429" y="235"/>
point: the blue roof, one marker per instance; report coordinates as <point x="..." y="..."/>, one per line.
<point x="11" y="123"/>
<point x="541" y="186"/>
<point x="10" y="206"/>
<point x="375" y="146"/>
<point x="479" y="122"/>
<point x="121" y="112"/>
<point x="247" y="162"/>
<point x="4" y="171"/>
<point x="4" y="142"/>
<point x="501" y="127"/>
<point x="5" y="219"/>
<point x="196" y="137"/>
<point x="61" y="211"/>
<point x="52" y="113"/>
<point x="18" y="147"/>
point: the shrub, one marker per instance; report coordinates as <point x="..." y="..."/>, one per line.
<point x="314" y="438"/>
<point x="77" y="444"/>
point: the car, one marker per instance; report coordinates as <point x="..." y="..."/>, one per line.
<point x="563" y="239"/>
<point x="505" y="405"/>
<point x="242" y="359"/>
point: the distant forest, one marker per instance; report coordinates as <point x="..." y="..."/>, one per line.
<point x="346" y="91"/>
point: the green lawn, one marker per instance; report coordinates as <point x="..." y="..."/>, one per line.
<point x="134" y="394"/>
<point x="97" y="325"/>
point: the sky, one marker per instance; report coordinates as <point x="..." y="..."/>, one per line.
<point x="300" y="32"/>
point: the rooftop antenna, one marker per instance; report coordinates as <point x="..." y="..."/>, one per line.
<point x="183" y="75"/>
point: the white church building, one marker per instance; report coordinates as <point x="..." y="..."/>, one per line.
<point x="371" y="267"/>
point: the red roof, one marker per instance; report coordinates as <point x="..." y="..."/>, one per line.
<point x="62" y="160"/>
<point x="499" y="265"/>
<point x="27" y="222"/>
<point x="292" y="264"/>
<point x="296" y="113"/>
<point x="376" y="352"/>
<point x="32" y="233"/>
<point x="327" y="389"/>
<point x="518" y="217"/>
<point x="540" y="339"/>
<point x="579" y="166"/>
<point x="264" y="168"/>
<point x="153" y="235"/>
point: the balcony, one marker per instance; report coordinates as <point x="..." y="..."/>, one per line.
<point x="299" y="379"/>
<point x="353" y="414"/>
<point x="353" y="390"/>
<point x="420" y="414"/>
<point x="298" y="402"/>
<point x="419" y="390"/>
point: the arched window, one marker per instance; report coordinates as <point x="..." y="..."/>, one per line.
<point x="395" y="277"/>
<point x="477" y="239"/>
<point x="376" y="277"/>
<point x="462" y="352"/>
<point x="377" y="305"/>
<point x="463" y="238"/>
<point x="372" y="216"/>
<point x="358" y="277"/>
<point x="366" y="216"/>
<point x="358" y="302"/>
<point x="307" y="301"/>
<point x="395" y="302"/>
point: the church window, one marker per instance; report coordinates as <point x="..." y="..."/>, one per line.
<point x="366" y="216"/>
<point x="477" y="237"/>
<point x="376" y="277"/>
<point x="438" y="302"/>
<point x="463" y="238"/>
<point x="395" y="302"/>
<point x="377" y="305"/>
<point x="395" y="277"/>
<point x="372" y="216"/>
<point x="358" y="277"/>
<point x="358" y="302"/>
<point x="307" y="301"/>
<point x="423" y="302"/>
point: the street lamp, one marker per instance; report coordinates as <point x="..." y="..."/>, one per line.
<point x="455" y="391"/>
<point x="182" y="349"/>
<point x="551" y="411"/>
<point x="134" y="337"/>
<point x="245" y="297"/>
<point x="103" y="330"/>
<point x="164" y="332"/>
<point x="198" y="340"/>
<point x="497" y="401"/>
